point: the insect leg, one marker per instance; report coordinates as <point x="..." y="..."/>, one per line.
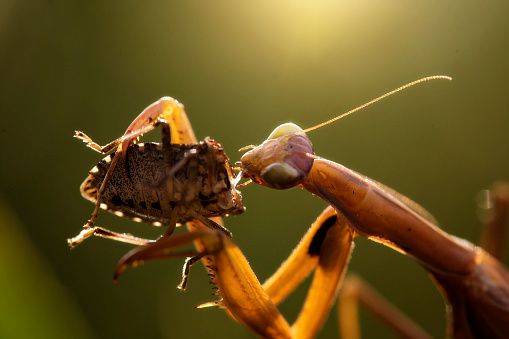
<point x="326" y="246"/>
<point x="110" y="146"/>
<point x="298" y="265"/>
<point x="190" y="261"/>
<point x="494" y="228"/>
<point x="95" y="146"/>
<point x="237" y="284"/>
<point x="172" y="170"/>
<point x="332" y="243"/>
<point x="90" y="222"/>
<point x="212" y="225"/>
<point x="105" y="233"/>
<point x="354" y="291"/>
<point x="167" y="109"/>
<point x="160" y="249"/>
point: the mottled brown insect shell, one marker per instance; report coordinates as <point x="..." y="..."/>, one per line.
<point x="150" y="183"/>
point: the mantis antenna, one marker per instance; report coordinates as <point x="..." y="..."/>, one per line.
<point x="287" y="130"/>
<point x="434" y="77"/>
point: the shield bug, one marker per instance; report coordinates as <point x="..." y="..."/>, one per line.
<point x="165" y="183"/>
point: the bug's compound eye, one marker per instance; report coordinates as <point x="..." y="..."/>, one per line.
<point x="284" y="129"/>
<point x="280" y="176"/>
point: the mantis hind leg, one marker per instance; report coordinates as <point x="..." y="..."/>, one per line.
<point x="354" y="292"/>
<point x="495" y="222"/>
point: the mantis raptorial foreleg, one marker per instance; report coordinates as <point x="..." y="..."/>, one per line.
<point x="326" y="247"/>
<point x="495" y="219"/>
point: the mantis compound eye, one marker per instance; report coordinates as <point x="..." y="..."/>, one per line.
<point x="280" y="175"/>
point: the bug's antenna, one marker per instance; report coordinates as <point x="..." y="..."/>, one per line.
<point x="445" y="77"/>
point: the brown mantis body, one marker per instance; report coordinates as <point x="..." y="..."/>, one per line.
<point x="474" y="283"/>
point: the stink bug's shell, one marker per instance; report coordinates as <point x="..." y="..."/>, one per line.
<point x="142" y="188"/>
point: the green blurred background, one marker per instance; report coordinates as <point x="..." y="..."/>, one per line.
<point x="240" y="69"/>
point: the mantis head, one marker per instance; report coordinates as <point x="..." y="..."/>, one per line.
<point x="282" y="161"/>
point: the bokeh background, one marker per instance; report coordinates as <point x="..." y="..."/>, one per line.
<point x="240" y="69"/>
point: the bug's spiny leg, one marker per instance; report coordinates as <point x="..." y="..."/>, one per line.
<point x="104" y="149"/>
<point x="356" y="291"/>
<point x="171" y="172"/>
<point x="160" y="249"/>
<point x="126" y="139"/>
<point x="236" y="283"/>
<point x="110" y="146"/>
<point x="86" y="228"/>
<point x="95" y="146"/>
<point x="244" y="183"/>
<point x="190" y="261"/>
<point x="84" y="234"/>
<point x="173" y="221"/>
<point x="101" y="190"/>
<point x="105" y="233"/>
<point x="212" y="224"/>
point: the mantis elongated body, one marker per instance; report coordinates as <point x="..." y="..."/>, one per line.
<point x="474" y="283"/>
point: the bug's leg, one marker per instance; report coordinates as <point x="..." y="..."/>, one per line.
<point x="166" y="133"/>
<point x="356" y="291"/>
<point x="200" y="224"/>
<point x="95" y="146"/>
<point x="122" y="237"/>
<point x="213" y="225"/>
<point x="88" y="228"/>
<point x="190" y="261"/>
<point x="193" y="226"/>
<point x="160" y="249"/>
<point x="494" y="228"/>
<point x="105" y="233"/>
<point x="173" y="169"/>
<point x="165" y="108"/>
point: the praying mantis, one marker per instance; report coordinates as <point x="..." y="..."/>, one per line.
<point x="474" y="283"/>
